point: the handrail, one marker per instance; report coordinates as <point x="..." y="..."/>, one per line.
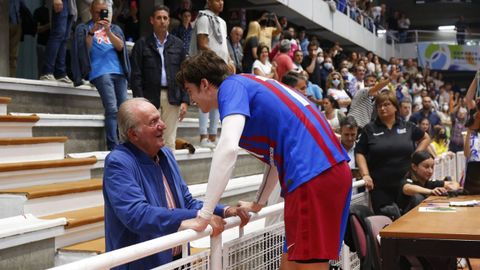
<point x="140" y="250"/>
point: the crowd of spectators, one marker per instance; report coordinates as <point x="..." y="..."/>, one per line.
<point x="368" y="102"/>
<point x="338" y="82"/>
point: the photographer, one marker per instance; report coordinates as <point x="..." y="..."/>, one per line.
<point x="99" y="53"/>
<point x="267" y="32"/>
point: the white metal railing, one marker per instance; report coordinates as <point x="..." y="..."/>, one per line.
<point x="138" y="251"/>
<point x="214" y="259"/>
<point x="217" y="257"/>
<point x="415" y="36"/>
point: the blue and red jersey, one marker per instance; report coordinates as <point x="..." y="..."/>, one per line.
<point x="282" y="128"/>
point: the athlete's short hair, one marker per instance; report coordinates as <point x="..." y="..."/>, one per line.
<point x="204" y="65"/>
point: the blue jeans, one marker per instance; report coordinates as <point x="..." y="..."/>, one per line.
<point x="57" y="43"/>
<point x="113" y="91"/>
<point x="214" y="116"/>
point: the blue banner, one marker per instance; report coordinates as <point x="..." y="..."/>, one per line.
<point x="449" y="57"/>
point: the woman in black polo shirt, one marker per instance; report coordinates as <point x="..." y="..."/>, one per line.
<point x="383" y="152"/>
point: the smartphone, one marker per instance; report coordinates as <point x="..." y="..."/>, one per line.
<point x="104" y="14"/>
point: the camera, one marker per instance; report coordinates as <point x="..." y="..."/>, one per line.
<point x="104" y="14"/>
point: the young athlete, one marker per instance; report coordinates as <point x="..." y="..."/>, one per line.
<point x="283" y="129"/>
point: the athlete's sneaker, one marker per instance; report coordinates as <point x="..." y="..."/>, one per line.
<point x="65" y="79"/>
<point x="206" y="143"/>
<point x="47" y="77"/>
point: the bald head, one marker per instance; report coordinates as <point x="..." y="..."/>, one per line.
<point x="236" y="34"/>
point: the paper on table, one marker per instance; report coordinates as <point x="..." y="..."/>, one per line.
<point x="464" y="203"/>
<point x="437" y="209"/>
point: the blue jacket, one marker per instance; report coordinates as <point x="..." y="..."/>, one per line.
<point x="81" y="55"/>
<point x="135" y="201"/>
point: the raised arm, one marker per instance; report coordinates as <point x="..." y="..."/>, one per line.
<point x="470" y="96"/>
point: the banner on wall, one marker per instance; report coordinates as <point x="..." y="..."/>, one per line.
<point x="449" y="57"/>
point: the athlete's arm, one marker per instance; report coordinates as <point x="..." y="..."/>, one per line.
<point x="270" y="179"/>
<point x="223" y="162"/>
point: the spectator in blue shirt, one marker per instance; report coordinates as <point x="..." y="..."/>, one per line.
<point x="101" y="55"/>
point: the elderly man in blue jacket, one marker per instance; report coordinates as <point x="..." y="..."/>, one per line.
<point x="145" y="195"/>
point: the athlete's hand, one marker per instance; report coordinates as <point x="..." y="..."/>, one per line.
<point x="242" y="213"/>
<point x="250" y="206"/>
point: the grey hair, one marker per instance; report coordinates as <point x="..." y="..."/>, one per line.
<point x="285" y="46"/>
<point x="126" y="118"/>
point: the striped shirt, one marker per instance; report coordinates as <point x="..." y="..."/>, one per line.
<point x="362" y="108"/>
<point x="170" y="203"/>
<point x="282" y="128"/>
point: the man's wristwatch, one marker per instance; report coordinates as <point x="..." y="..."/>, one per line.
<point x="91" y="34"/>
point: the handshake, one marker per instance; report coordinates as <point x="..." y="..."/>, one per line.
<point x="242" y="210"/>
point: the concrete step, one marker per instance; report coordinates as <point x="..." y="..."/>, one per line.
<point x="31" y="149"/>
<point x="35" y="96"/>
<point x="80" y="217"/>
<point x="3" y="105"/>
<point x="95" y="246"/>
<point x="50" y="97"/>
<point x="82" y="225"/>
<point x="194" y="168"/>
<point x="17" y="125"/>
<point x="86" y="133"/>
<point x="41" y="200"/>
<point x="27" y="242"/>
<point x="23" y="174"/>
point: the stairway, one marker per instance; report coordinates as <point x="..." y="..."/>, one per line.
<point x="51" y="162"/>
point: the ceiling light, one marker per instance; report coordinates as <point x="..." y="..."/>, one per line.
<point x="446" y="28"/>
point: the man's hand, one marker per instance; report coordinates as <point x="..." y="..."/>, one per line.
<point x="57" y="5"/>
<point x="250" y="206"/>
<point x="199" y="224"/>
<point x="183" y="111"/>
<point x="240" y="212"/>
<point x="218" y="225"/>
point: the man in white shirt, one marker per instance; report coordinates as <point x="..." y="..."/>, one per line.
<point x="210" y="33"/>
